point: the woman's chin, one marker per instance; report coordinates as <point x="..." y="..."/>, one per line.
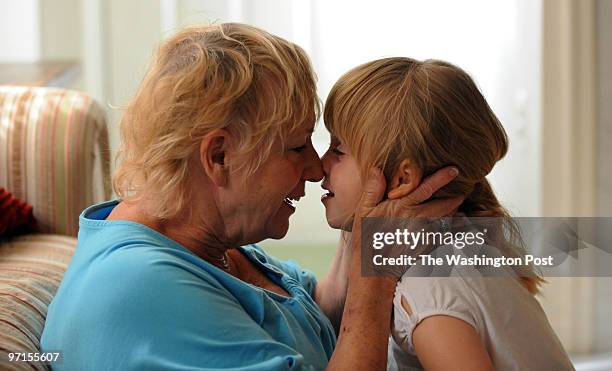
<point x="278" y="226"/>
<point x="277" y="232"/>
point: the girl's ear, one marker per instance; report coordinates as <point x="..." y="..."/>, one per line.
<point x="407" y="174"/>
<point x="214" y="156"/>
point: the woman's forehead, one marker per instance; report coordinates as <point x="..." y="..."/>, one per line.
<point x="305" y="129"/>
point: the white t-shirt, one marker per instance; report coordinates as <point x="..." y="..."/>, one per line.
<point x="509" y="320"/>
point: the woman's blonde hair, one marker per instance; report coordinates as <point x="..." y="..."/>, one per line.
<point x="432" y="113"/>
<point x="256" y="85"/>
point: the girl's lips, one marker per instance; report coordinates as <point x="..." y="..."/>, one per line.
<point x="327" y="196"/>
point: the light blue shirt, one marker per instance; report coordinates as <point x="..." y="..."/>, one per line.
<point x="133" y="299"/>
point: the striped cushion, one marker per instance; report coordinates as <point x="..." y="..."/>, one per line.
<point x="31" y="268"/>
<point x="53" y="153"/>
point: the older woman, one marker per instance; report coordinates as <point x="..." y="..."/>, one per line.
<point x="216" y="146"/>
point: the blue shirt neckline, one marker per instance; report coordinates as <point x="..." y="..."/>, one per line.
<point x="95" y="216"/>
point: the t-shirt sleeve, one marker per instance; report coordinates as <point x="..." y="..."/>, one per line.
<point x="181" y="321"/>
<point x="305" y="277"/>
<point x="417" y="298"/>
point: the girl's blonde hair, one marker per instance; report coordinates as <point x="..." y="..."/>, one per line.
<point x="256" y="85"/>
<point x="432" y="113"/>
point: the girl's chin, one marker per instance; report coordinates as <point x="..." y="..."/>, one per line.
<point x="333" y="225"/>
<point x="348" y="225"/>
<point x="344" y="224"/>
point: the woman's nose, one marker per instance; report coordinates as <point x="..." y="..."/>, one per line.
<point x="313" y="169"/>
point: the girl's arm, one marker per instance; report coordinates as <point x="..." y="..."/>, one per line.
<point x="448" y="343"/>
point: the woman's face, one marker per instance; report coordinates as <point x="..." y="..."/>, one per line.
<point x="267" y="198"/>
<point x="343" y="183"/>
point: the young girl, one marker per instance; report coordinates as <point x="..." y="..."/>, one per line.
<point x="410" y="118"/>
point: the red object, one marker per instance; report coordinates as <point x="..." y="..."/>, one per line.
<point x="16" y="216"/>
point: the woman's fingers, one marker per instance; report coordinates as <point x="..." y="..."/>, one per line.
<point x="430" y="185"/>
<point x="373" y="190"/>
<point x="439" y="208"/>
<point x="399" y="192"/>
<point x="409" y="202"/>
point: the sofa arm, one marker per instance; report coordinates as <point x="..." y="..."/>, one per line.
<point x="54" y="153"/>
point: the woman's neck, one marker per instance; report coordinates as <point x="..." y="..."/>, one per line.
<point x="195" y="233"/>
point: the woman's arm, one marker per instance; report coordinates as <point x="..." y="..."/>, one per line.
<point x="448" y="343"/>
<point x="364" y="332"/>
<point x="330" y="293"/>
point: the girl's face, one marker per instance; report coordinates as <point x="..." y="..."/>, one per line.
<point x="343" y="183"/>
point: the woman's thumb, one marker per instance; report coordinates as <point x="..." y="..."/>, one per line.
<point x="373" y="189"/>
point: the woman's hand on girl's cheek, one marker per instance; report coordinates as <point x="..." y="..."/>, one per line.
<point x="408" y="205"/>
<point x="411" y="207"/>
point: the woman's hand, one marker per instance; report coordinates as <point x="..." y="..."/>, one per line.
<point x="413" y="207"/>
<point x="403" y="203"/>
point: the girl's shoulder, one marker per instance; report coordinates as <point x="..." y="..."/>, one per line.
<point x="417" y="298"/>
<point x="486" y="303"/>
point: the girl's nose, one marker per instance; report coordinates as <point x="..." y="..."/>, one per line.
<point x="325" y="165"/>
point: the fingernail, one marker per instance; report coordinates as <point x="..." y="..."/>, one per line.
<point x="453" y="171"/>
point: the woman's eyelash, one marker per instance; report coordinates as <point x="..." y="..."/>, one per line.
<point x="337" y="152"/>
<point x="299" y="149"/>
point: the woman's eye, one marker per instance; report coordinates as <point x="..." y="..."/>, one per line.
<point x="298" y="149"/>
<point x="337" y="152"/>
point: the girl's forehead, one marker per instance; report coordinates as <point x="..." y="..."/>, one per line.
<point x="336" y="140"/>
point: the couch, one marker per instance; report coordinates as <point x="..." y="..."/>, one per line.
<point x="54" y="155"/>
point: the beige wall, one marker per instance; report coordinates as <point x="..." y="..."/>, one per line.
<point x="33" y="30"/>
<point x="604" y="47"/>
<point x="19" y="31"/>
<point x="569" y="156"/>
<point x="603" y="286"/>
<point x="60" y="26"/>
<point x="118" y="40"/>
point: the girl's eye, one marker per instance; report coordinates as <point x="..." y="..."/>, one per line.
<point x="337" y="152"/>
<point x="298" y="149"/>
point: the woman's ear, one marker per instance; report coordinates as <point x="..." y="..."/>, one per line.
<point x="214" y="156"/>
<point x="407" y="174"/>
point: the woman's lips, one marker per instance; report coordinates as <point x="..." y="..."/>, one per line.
<point x="292" y="199"/>
<point x="287" y="202"/>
